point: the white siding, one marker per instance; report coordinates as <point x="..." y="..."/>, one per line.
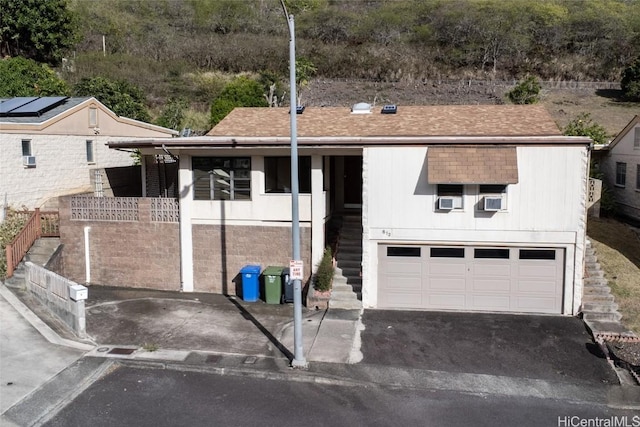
<point x="627" y="198"/>
<point x="545" y="208"/>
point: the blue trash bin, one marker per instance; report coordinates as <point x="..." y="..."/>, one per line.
<point x="250" y="288"/>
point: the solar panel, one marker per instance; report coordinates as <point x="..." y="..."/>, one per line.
<point x="13" y="103"/>
<point x="38" y="106"/>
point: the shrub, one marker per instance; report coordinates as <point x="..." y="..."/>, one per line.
<point x="630" y="83"/>
<point x="527" y="91"/>
<point x="324" y="274"/>
<point x="583" y="125"/>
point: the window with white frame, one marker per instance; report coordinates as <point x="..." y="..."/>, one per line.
<point x="636" y="138"/>
<point x="450" y="197"/>
<point x="26" y="147"/>
<point x="93" y="117"/>
<point x="492" y="197"/>
<point x="277" y="174"/>
<point x="222" y="178"/>
<point x="621" y="174"/>
<point x="90" y="152"/>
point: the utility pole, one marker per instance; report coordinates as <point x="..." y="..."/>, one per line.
<point x="298" y="355"/>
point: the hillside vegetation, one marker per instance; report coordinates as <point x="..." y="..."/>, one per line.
<point x="165" y="45"/>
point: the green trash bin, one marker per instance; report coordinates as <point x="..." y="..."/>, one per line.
<point x="272" y="284"/>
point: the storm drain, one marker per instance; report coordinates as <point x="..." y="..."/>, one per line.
<point x="121" y="351"/>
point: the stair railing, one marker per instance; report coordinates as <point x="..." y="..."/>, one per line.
<point x="39" y="224"/>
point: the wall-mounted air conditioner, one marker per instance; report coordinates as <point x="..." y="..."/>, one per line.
<point x="29" y="160"/>
<point x="445" y="203"/>
<point x="492" y="204"/>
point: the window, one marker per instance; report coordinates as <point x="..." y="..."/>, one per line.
<point x="540" y="254"/>
<point x="492" y="197"/>
<point x="26" y="147"/>
<point x="637" y="177"/>
<point x="222" y="178"/>
<point x="450" y="191"/>
<point x="93" y="117"/>
<point x="621" y="174"/>
<point x="636" y="138"/>
<point x="277" y="174"/>
<point x="491" y="253"/>
<point x="90" y="157"/>
<point x="447" y="252"/>
<point x="403" y="251"/>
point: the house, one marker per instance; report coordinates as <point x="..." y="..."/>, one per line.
<point x="620" y="165"/>
<point x="51" y="146"/>
<point x="456" y="207"/>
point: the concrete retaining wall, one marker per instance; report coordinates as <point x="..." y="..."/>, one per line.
<point x="52" y="290"/>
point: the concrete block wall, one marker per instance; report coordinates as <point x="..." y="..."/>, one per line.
<point x="52" y="290"/>
<point x="140" y="253"/>
<point x="221" y="251"/>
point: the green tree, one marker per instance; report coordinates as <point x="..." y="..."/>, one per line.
<point x="583" y="125"/>
<point x="172" y="115"/>
<point x="25" y="77"/>
<point x="527" y="91"/>
<point x="122" y="97"/>
<point x="36" y="29"/>
<point x="241" y="92"/>
<point x="630" y="83"/>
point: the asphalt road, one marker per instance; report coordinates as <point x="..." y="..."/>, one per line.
<point x="131" y="396"/>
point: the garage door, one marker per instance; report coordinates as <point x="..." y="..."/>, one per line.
<point x="471" y="278"/>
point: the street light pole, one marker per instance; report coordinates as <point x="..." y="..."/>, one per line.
<point x="298" y="355"/>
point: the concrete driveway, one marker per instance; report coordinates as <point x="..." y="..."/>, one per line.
<point x="550" y="348"/>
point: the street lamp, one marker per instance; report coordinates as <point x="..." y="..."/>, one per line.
<point x="298" y="355"/>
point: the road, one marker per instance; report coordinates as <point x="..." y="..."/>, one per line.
<point x="134" y="396"/>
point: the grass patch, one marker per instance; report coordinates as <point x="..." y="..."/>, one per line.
<point x="617" y="247"/>
<point x="150" y="347"/>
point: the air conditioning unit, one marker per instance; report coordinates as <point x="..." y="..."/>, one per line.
<point x="492" y="204"/>
<point x="29" y="160"/>
<point x="445" y="203"/>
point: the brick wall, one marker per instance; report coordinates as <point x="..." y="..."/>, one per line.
<point x="139" y="253"/>
<point x="220" y="253"/>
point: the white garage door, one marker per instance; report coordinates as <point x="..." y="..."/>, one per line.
<point x="471" y="278"/>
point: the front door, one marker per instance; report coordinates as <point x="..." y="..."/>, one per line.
<point x="353" y="182"/>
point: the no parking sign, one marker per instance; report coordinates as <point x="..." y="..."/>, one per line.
<point x="296" y="271"/>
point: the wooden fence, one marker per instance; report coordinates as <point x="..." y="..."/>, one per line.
<point x="39" y="224"/>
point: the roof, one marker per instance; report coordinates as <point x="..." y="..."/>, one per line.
<point x="450" y="120"/>
<point x="623" y="132"/>
<point x="411" y="125"/>
<point x="67" y="104"/>
<point x="472" y="165"/>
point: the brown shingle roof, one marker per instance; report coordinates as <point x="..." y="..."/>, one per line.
<point x="447" y="120"/>
<point x="472" y="165"/>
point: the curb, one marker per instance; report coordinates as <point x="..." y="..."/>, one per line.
<point x="44" y="329"/>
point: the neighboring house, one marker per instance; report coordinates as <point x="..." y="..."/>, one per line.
<point x="49" y="145"/>
<point x="461" y="207"/>
<point x="620" y="164"/>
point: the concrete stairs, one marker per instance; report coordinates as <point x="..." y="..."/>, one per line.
<point x="598" y="305"/>
<point x="40" y="254"/>
<point x="346" y="292"/>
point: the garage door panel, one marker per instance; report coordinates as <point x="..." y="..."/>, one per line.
<point x="540" y="270"/>
<point x="537" y="286"/>
<point x="491" y="285"/>
<point x="471" y="278"/>
<point x="490" y="302"/>
<point x="442" y="283"/>
<point x="446" y="301"/>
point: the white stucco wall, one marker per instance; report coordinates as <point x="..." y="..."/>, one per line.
<point x="546" y="208"/>
<point x="61" y="166"/>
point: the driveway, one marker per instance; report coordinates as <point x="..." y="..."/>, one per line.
<point x="550" y="348"/>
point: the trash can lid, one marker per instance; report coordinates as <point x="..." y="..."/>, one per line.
<point x="272" y="271"/>
<point x="250" y="269"/>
